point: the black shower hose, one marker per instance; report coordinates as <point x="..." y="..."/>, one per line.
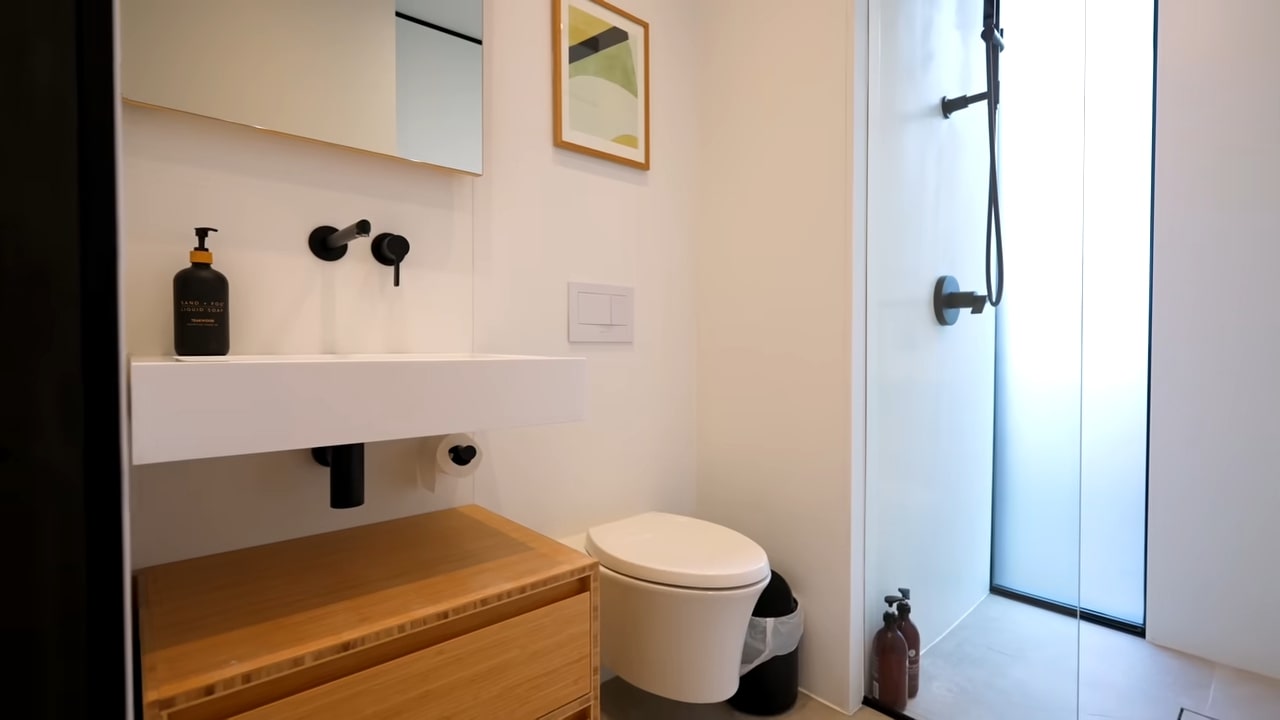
<point x="995" y="285"/>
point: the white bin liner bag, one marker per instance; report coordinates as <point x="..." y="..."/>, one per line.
<point x="770" y="637"/>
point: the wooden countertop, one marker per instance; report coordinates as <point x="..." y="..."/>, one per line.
<point x="225" y="620"/>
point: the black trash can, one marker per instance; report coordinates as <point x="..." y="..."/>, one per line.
<point x="771" y="687"/>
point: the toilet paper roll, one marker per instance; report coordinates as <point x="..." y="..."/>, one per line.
<point x="456" y="455"/>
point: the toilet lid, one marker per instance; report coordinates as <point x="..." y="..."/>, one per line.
<point x="678" y="550"/>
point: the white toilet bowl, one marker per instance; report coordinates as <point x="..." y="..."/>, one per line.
<point x="676" y="594"/>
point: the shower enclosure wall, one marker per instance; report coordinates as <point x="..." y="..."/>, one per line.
<point x="1007" y="452"/>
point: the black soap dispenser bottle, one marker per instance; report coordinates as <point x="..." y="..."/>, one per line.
<point x="201" y="324"/>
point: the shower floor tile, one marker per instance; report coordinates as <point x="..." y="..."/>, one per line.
<point x="1009" y="660"/>
<point x="622" y="701"/>
<point x="1005" y="660"/>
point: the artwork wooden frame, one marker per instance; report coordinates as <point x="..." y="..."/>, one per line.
<point x="601" y="81"/>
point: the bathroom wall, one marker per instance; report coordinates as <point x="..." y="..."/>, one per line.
<point x="775" y="303"/>
<point x="265" y="193"/>
<point x="1212" y="581"/>
<point x="487" y="271"/>
<point x="547" y="216"/>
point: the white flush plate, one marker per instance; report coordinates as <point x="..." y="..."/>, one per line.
<point x="601" y="313"/>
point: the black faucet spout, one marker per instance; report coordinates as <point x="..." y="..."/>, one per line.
<point x="357" y="229"/>
<point x="329" y="243"/>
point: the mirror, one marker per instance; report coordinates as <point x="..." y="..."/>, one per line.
<point x="394" y="77"/>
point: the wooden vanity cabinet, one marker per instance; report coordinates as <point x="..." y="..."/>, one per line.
<point x="453" y="614"/>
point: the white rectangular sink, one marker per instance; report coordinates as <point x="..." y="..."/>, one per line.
<point x="182" y="409"/>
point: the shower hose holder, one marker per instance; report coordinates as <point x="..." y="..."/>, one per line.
<point x="950" y="106"/>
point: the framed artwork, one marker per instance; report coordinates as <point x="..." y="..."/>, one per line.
<point x="601" y="81"/>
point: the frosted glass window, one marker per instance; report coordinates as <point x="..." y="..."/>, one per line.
<point x="1037" y="443"/>
<point x="1119" y="58"/>
<point x="1072" y="334"/>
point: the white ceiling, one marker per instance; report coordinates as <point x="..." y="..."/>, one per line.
<point x="464" y="16"/>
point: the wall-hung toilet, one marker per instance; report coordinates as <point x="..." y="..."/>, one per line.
<point x="676" y="594"/>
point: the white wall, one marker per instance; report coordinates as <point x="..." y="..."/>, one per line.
<point x="775" y="302"/>
<point x="321" y="69"/>
<point x="265" y="194"/>
<point x="488" y="267"/>
<point x="929" y="388"/>
<point x="546" y="216"/>
<point x="1213" y="582"/>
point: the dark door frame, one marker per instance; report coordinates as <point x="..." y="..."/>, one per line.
<point x="61" y="452"/>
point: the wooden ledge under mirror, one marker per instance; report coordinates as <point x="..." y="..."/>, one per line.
<point x="458" y="613"/>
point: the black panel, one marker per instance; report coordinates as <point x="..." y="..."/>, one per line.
<point x="60" y="459"/>
<point x="1089" y="616"/>
<point x="596" y="43"/>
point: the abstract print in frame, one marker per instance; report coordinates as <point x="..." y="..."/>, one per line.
<point x="601" y="81"/>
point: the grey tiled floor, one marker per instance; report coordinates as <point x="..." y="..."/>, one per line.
<point x="1010" y="661"/>
<point x="625" y="702"/>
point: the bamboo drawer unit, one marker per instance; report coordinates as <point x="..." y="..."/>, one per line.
<point x="453" y="614"/>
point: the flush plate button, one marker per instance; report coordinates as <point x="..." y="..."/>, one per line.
<point x="601" y="313"/>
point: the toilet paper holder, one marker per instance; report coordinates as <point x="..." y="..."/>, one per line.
<point x="462" y="455"/>
<point x="457" y="455"/>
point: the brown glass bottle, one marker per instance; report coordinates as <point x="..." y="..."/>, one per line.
<point x="889" y="665"/>
<point x="911" y="634"/>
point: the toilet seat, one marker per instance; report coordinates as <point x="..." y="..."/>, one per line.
<point x="679" y="551"/>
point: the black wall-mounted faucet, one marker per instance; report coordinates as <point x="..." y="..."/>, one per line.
<point x="390" y="250"/>
<point x="329" y="243"/>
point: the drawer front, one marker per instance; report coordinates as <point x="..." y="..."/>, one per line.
<point x="524" y="667"/>
<point x="579" y="709"/>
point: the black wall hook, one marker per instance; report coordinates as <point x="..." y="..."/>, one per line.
<point x="390" y="250"/>
<point x="329" y="243"/>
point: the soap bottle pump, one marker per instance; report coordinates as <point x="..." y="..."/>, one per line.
<point x="201" y="324"/>
<point x="902" y="604"/>
<point x="889" y="665"/>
